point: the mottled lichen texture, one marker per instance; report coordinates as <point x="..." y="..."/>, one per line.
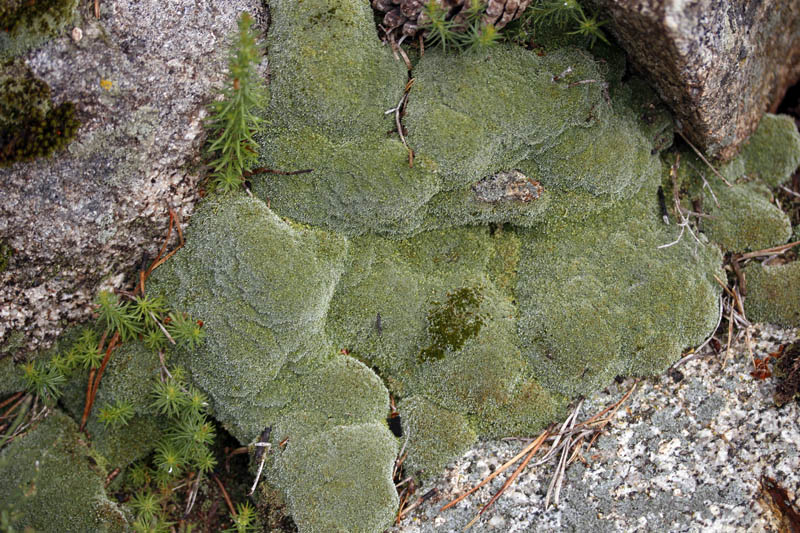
<point x="520" y="262"/>
<point x="50" y="482"/>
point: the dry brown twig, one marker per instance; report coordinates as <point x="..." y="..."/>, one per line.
<point x="703" y="158"/>
<point x="567" y="443"/>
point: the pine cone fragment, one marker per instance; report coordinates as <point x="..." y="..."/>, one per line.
<point x="409" y="17"/>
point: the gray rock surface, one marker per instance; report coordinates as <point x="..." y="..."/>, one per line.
<point x="720" y="64"/>
<point x="686" y="452"/>
<point x="141" y="77"/>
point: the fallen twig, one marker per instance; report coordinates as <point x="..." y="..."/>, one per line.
<point x="225" y="495"/>
<point x="701" y="156"/>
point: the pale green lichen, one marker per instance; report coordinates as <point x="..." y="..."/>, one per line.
<point x="741" y="216"/>
<point x="263" y="286"/>
<point x="50" y="484"/>
<point x="772" y="293"/>
<point x="773" y="152"/>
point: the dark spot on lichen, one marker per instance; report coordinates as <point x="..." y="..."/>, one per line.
<point x="452" y="323"/>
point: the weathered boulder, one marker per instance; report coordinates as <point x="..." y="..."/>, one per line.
<point x="140" y="77"/>
<point x="719" y="64"/>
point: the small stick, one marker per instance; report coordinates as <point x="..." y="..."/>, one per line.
<point x="425" y="497"/>
<point x="769" y="251"/>
<point x="500" y="470"/>
<point x="163" y="329"/>
<point x="509" y="481"/>
<point x="705" y="183"/>
<point x="788" y="191"/>
<point x="13" y="397"/>
<point x="97" y="9"/>
<point x="192" y="496"/>
<point x="114" y="473"/>
<point x="94" y="381"/>
<point x="701" y="156"/>
<point x="737" y="269"/>
<point x="225" y="495"/>
<point x="264" y="170"/>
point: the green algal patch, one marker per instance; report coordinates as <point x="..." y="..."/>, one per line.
<point x="25" y="24"/>
<point x="452" y="323"/>
<point x="30" y="125"/>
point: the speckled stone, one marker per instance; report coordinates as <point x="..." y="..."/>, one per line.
<point x="720" y="64"/>
<point x="141" y="77"/>
<point x="685" y="453"/>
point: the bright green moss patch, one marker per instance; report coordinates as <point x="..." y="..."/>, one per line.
<point x="330" y="72"/>
<point x="262" y="287"/>
<point x="50" y="483"/>
<point x="129" y="379"/>
<point x="468" y="118"/>
<point x="30" y="126"/>
<point x="26" y="23"/>
<point x="340" y="480"/>
<point x="773" y="293"/>
<point x="743" y="217"/>
<point x="746" y="219"/>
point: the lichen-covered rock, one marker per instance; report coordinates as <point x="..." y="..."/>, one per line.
<point x="50" y="484"/>
<point x="773" y="293"/>
<point x="719" y="64"/>
<point x="26" y="24"/>
<point x="262" y="287"/>
<point x="140" y="82"/>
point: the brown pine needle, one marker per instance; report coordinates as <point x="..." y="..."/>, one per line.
<point x="225" y="495"/>
<point x="537" y="444"/>
<point x="500" y="470"/>
<point x="770" y="251"/>
<point x="701" y="156"/>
